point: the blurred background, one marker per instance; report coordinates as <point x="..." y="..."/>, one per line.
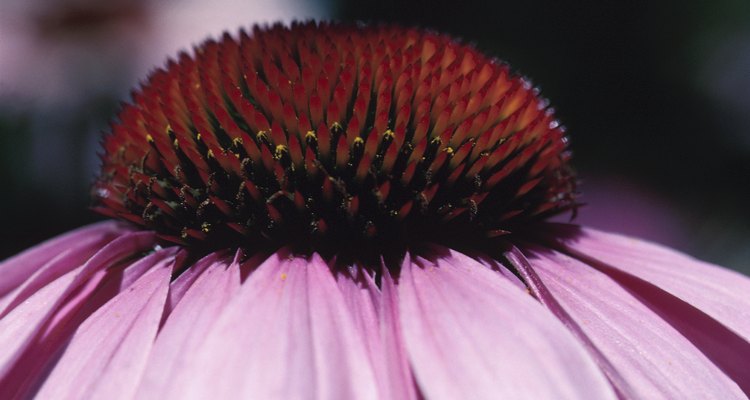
<point x="654" y="95"/>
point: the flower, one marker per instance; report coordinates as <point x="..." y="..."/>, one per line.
<point x="335" y="211"/>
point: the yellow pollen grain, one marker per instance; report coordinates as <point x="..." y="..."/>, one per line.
<point x="206" y="227"/>
<point x="280" y="150"/>
<point x="176" y="143"/>
<point x="149" y="138"/>
<point x="167" y="128"/>
<point x="237" y="141"/>
<point x="261" y="135"/>
<point x="198" y="136"/>
<point x="449" y="150"/>
<point x="283" y="276"/>
<point x="311" y="135"/>
<point x="359" y="141"/>
<point x="210" y="153"/>
<point x="388" y="134"/>
<point x="336" y="125"/>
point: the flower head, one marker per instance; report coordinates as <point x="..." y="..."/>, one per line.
<point x="334" y="211"/>
<point x="324" y="132"/>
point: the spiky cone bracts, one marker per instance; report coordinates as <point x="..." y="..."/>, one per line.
<point x="319" y="132"/>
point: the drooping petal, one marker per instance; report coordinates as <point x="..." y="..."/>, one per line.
<point x="536" y="288"/>
<point x="653" y="359"/>
<point x="471" y="333"/>
<point x="287" y="334"/>
<point x="65" y="262"/>
<point x="186" y="327"/>
<point x="707" y="304"/>
<point x="76" y="245"/>
<point x="39" y="311"/>
<point x="720" y="293"/>
<point x="18" y="328"/>
<point x="375" y="313"/>
<point x="43" y="348"/>
<point x="107" y="355"/>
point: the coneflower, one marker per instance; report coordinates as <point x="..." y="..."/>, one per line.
<point x="343" y="212"/>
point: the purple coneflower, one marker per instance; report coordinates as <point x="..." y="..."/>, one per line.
<point x="344" y="212"/>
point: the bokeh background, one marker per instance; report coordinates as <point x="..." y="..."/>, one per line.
<point x="655" y="96"/>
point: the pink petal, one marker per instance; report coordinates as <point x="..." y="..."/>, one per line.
<point x="718" y="292"/>
<point x="186" y="327"/>
<point x="44" y="348"/>
<point x="81" y="243"/>
<point x="287" y="334"/>
<point x="376" y="316"/>
<point x="707" y="304"/>
<point x="37" y="313"/>
<point x="470" y="333"/>
<point x="107" y="355"/>
<point x="400" y="378"/>
<point x="496" y="266"/>
<point x="185" y="280"/>
<point x="18" y="328"/>
<point x="362" y="298"/>
<point x="61" y="264"/>
<point x="653" y="359"/>
<point x="536" y="288"/>
<point x="81" y="297"/>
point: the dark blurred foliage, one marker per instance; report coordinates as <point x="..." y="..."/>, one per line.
<point x="650" y="91"/>
<point x="45" y="194"/>
<point x="633" y="83"/>
<point x="65" y="67"/>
